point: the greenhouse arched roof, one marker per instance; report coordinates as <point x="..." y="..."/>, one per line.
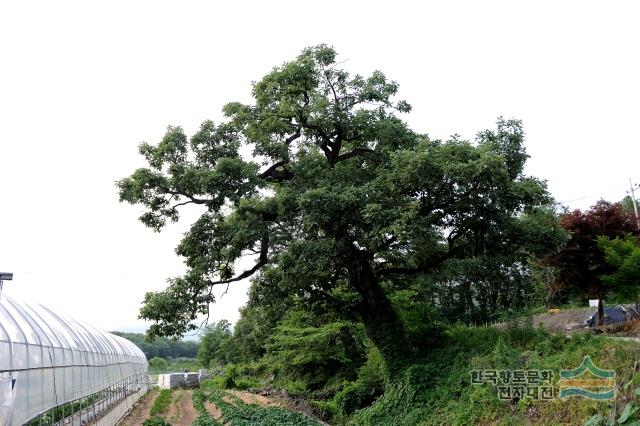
<point x="48" y="359"/>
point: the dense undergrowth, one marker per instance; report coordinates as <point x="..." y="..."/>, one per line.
<point x="436" y="388"/>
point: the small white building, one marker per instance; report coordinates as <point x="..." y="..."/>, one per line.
<point x="180" y="380"/>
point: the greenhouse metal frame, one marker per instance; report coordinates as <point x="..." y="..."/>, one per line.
<point x="56" y="370"/>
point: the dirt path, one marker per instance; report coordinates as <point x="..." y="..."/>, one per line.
<point x="624" y="338"/>
<point x="252" y="398"/>
<point x="180" y="412"/>
<point x="186" y="409"/>
<point x="564" y="320"/>
<point x="568" y="320"/>
<point x="141" y="411"/>
<point x="213" y="410"/>
<point x="172" y="414"/>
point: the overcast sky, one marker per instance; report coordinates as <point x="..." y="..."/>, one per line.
<point x="83" y="83"/>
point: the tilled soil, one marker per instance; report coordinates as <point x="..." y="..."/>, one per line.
<point x="181" y="411"/>
<point x="141" y="411"/>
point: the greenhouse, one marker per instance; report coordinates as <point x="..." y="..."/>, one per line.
<point x="55" y="370"/>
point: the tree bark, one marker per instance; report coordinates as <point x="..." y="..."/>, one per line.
<point x="381" y="322"/>
<point x="600" y="309"/>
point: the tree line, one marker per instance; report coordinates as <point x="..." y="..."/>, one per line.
<point x="162" y="347"/>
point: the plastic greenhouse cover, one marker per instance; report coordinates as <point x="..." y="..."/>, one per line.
<point x="48" y="359"/>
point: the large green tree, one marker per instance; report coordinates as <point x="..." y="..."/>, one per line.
<point x="339" y="196"/>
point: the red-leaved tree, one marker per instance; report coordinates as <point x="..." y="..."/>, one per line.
<point x="581" y="262"/>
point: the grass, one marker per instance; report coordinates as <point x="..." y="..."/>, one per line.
<point x="155" y="421"/>
<point x="161" y="403"/>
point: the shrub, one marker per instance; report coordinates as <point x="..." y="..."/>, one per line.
<point x="369" y="385"/>
<point x="158" y="364"/>
<point x="326" y="410"/>
<point x="316" y="355"/>
<point x="351" y="398"/>
<point x="246" y="383"/>
<point x="372" y="374"/>
<point x="156" y="421"/>
<point x="230" y="377"/>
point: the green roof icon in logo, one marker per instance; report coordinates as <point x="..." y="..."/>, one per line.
<point x="599" y="384"/>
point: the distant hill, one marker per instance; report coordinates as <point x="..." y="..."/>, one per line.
<point x="162" y="347"/>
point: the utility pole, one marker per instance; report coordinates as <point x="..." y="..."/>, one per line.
<point x="4" y="276"/>
<point x="635" y="203"/>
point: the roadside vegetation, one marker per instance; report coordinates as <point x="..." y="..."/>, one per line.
<point x="437" y="388"/>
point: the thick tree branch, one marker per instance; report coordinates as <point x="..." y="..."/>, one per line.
<point x="421" y="269"/>
<point x="353" y="138"/>
<point x="189" y="196"/>
<point x="292" y="138"/>
<point x="330" y="83"/>
<point x="356" y="152"/>
<point x="272" y="171"/>
<point x="387" y="243"/>
<point x="263" y="259"/>
<point x="326" y="140"/>
<point x="175" y="206"/>
<point x="269" y="172"/>
<point x="427" y="265"/>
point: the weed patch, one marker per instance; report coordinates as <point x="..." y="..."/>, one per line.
<point x="162" y="402"/>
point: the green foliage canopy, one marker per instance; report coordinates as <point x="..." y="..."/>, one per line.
<point x="623" y="254"/>
<point x="214" y="343"/>
<point x="339" y="196"/>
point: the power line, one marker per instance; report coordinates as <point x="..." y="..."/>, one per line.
<point x="637" y="186"/>
<point x="581" y="198"/>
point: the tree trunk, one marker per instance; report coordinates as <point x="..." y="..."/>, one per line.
<point x="381" y="322"/>
<point x="600" y="309"/>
